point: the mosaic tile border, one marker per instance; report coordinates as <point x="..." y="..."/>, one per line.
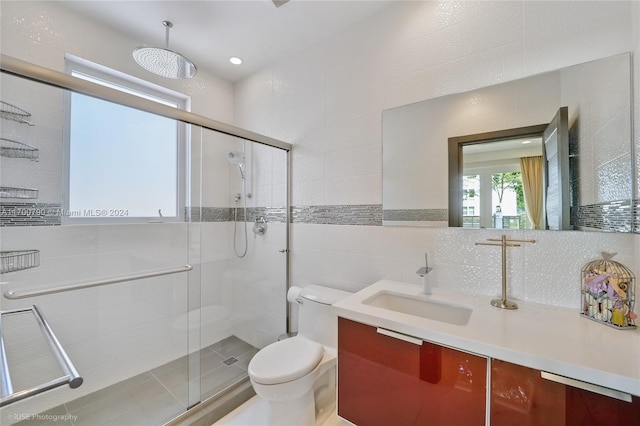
<point x="609" y="217"/>
<point x="326" y="215"/>
<point x="366" y="214"/>
<point x="30" y="214"/>
<point x="226" y="214"/>
<point x="416" y="215"/>
<point x="615" y="216"/>
<point x="208" y="214"/>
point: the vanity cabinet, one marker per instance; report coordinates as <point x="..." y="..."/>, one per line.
<point x="385" y="378"/>
<point x="522" y="396"/>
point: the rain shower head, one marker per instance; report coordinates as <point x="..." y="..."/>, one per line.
<point x="237" y="158"/>
<point x="164" y="62"/>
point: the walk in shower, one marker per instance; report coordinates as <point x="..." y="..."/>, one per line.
<point x="147" y="300"/>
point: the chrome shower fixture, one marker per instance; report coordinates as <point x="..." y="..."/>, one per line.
<point x="164" y="62"/>
<point x="237" y="158"/>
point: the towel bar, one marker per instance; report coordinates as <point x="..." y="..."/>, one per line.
<point x="22" y="295"/>
<point x="70" y="377"/>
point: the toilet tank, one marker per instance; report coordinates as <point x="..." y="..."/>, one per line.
<point x="317" y="319"/>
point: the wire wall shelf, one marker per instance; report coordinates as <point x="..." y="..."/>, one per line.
<point x="14" y="149"/>
<point x="12" y="112"/>
<point x="18" y="260"/>
<point x="23" y="193"/>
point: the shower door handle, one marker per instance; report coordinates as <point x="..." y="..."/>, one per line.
<point x="284" y="251"/>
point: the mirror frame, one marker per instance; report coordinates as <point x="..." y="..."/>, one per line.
<point x="457" y="143"/>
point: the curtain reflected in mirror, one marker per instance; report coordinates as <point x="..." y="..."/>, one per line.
<point x="505" y="192"/>
<point x="532" y="169"/>
<point x="497" y="166"/>
<point x="488" y="174"/>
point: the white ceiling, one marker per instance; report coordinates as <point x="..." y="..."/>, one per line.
<point x="210" y="32"/>
<point x="500" y="152"/>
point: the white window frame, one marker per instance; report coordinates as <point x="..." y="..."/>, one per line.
<point x="82" y="68"/>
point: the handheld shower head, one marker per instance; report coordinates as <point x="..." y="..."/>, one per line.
<point x="237" y="158"/>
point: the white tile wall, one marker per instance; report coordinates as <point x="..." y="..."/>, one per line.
<point x="602" y="115"/>
<point x="409" y="52"/>
<point x="352" y="257"/>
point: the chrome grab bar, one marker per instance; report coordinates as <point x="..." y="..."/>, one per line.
<point x="7" y="386"/>
<point x="22" y="295"/>
<point x="63" y="359"/>
<point x="71" y="377"/>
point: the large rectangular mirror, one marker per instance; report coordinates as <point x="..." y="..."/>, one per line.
<point x="586" y="174"/>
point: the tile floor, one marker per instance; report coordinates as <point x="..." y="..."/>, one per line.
<point x="158" y="395"/>
<point x="251" y="413"/>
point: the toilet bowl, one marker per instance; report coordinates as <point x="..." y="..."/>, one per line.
<point x="284" y="373"/>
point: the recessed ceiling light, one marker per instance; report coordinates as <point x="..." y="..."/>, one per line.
<point x="235" y="60"/>
<point x="525" y="142"/>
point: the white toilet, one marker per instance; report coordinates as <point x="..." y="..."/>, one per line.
<point x="284" y="373"/>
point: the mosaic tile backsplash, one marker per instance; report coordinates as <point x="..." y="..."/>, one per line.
<point x="616" y="216"/>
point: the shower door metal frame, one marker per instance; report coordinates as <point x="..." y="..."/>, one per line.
<point x="61" y="80"/>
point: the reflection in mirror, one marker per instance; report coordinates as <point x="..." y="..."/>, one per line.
<point x="511" y="179"/>
<point x="597" y="161"/>
<point x="492" y="184"/>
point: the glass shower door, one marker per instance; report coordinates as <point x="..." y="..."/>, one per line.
<point x="115" y="292"/>
<point x="244" y="255"/>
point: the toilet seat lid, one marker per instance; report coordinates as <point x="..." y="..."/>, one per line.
<point x="285" y="361"/>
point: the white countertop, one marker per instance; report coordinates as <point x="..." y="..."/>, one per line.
<point x="549" y="338"/>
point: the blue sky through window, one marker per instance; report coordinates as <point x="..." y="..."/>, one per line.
<point x="122" y="161"/>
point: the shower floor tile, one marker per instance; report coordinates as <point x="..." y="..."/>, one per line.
<point x="231" y="346"/>
<point x="156" y="396"/>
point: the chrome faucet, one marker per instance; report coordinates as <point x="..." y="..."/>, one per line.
<point x="423" y="272"/>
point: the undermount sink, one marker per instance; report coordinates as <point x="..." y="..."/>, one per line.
<point x="421" y="306"/>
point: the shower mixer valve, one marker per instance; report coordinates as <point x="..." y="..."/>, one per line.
<point x="260" y="226"/>
<point x="237" y="197"/>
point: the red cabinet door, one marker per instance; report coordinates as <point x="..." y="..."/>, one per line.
<point x="386" y="381"/>
<point x="520" y="396"/>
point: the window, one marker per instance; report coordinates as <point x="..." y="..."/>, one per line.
<point x="122" y="164"/>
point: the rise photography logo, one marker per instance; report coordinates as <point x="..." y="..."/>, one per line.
<point x="43" y="417"/>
